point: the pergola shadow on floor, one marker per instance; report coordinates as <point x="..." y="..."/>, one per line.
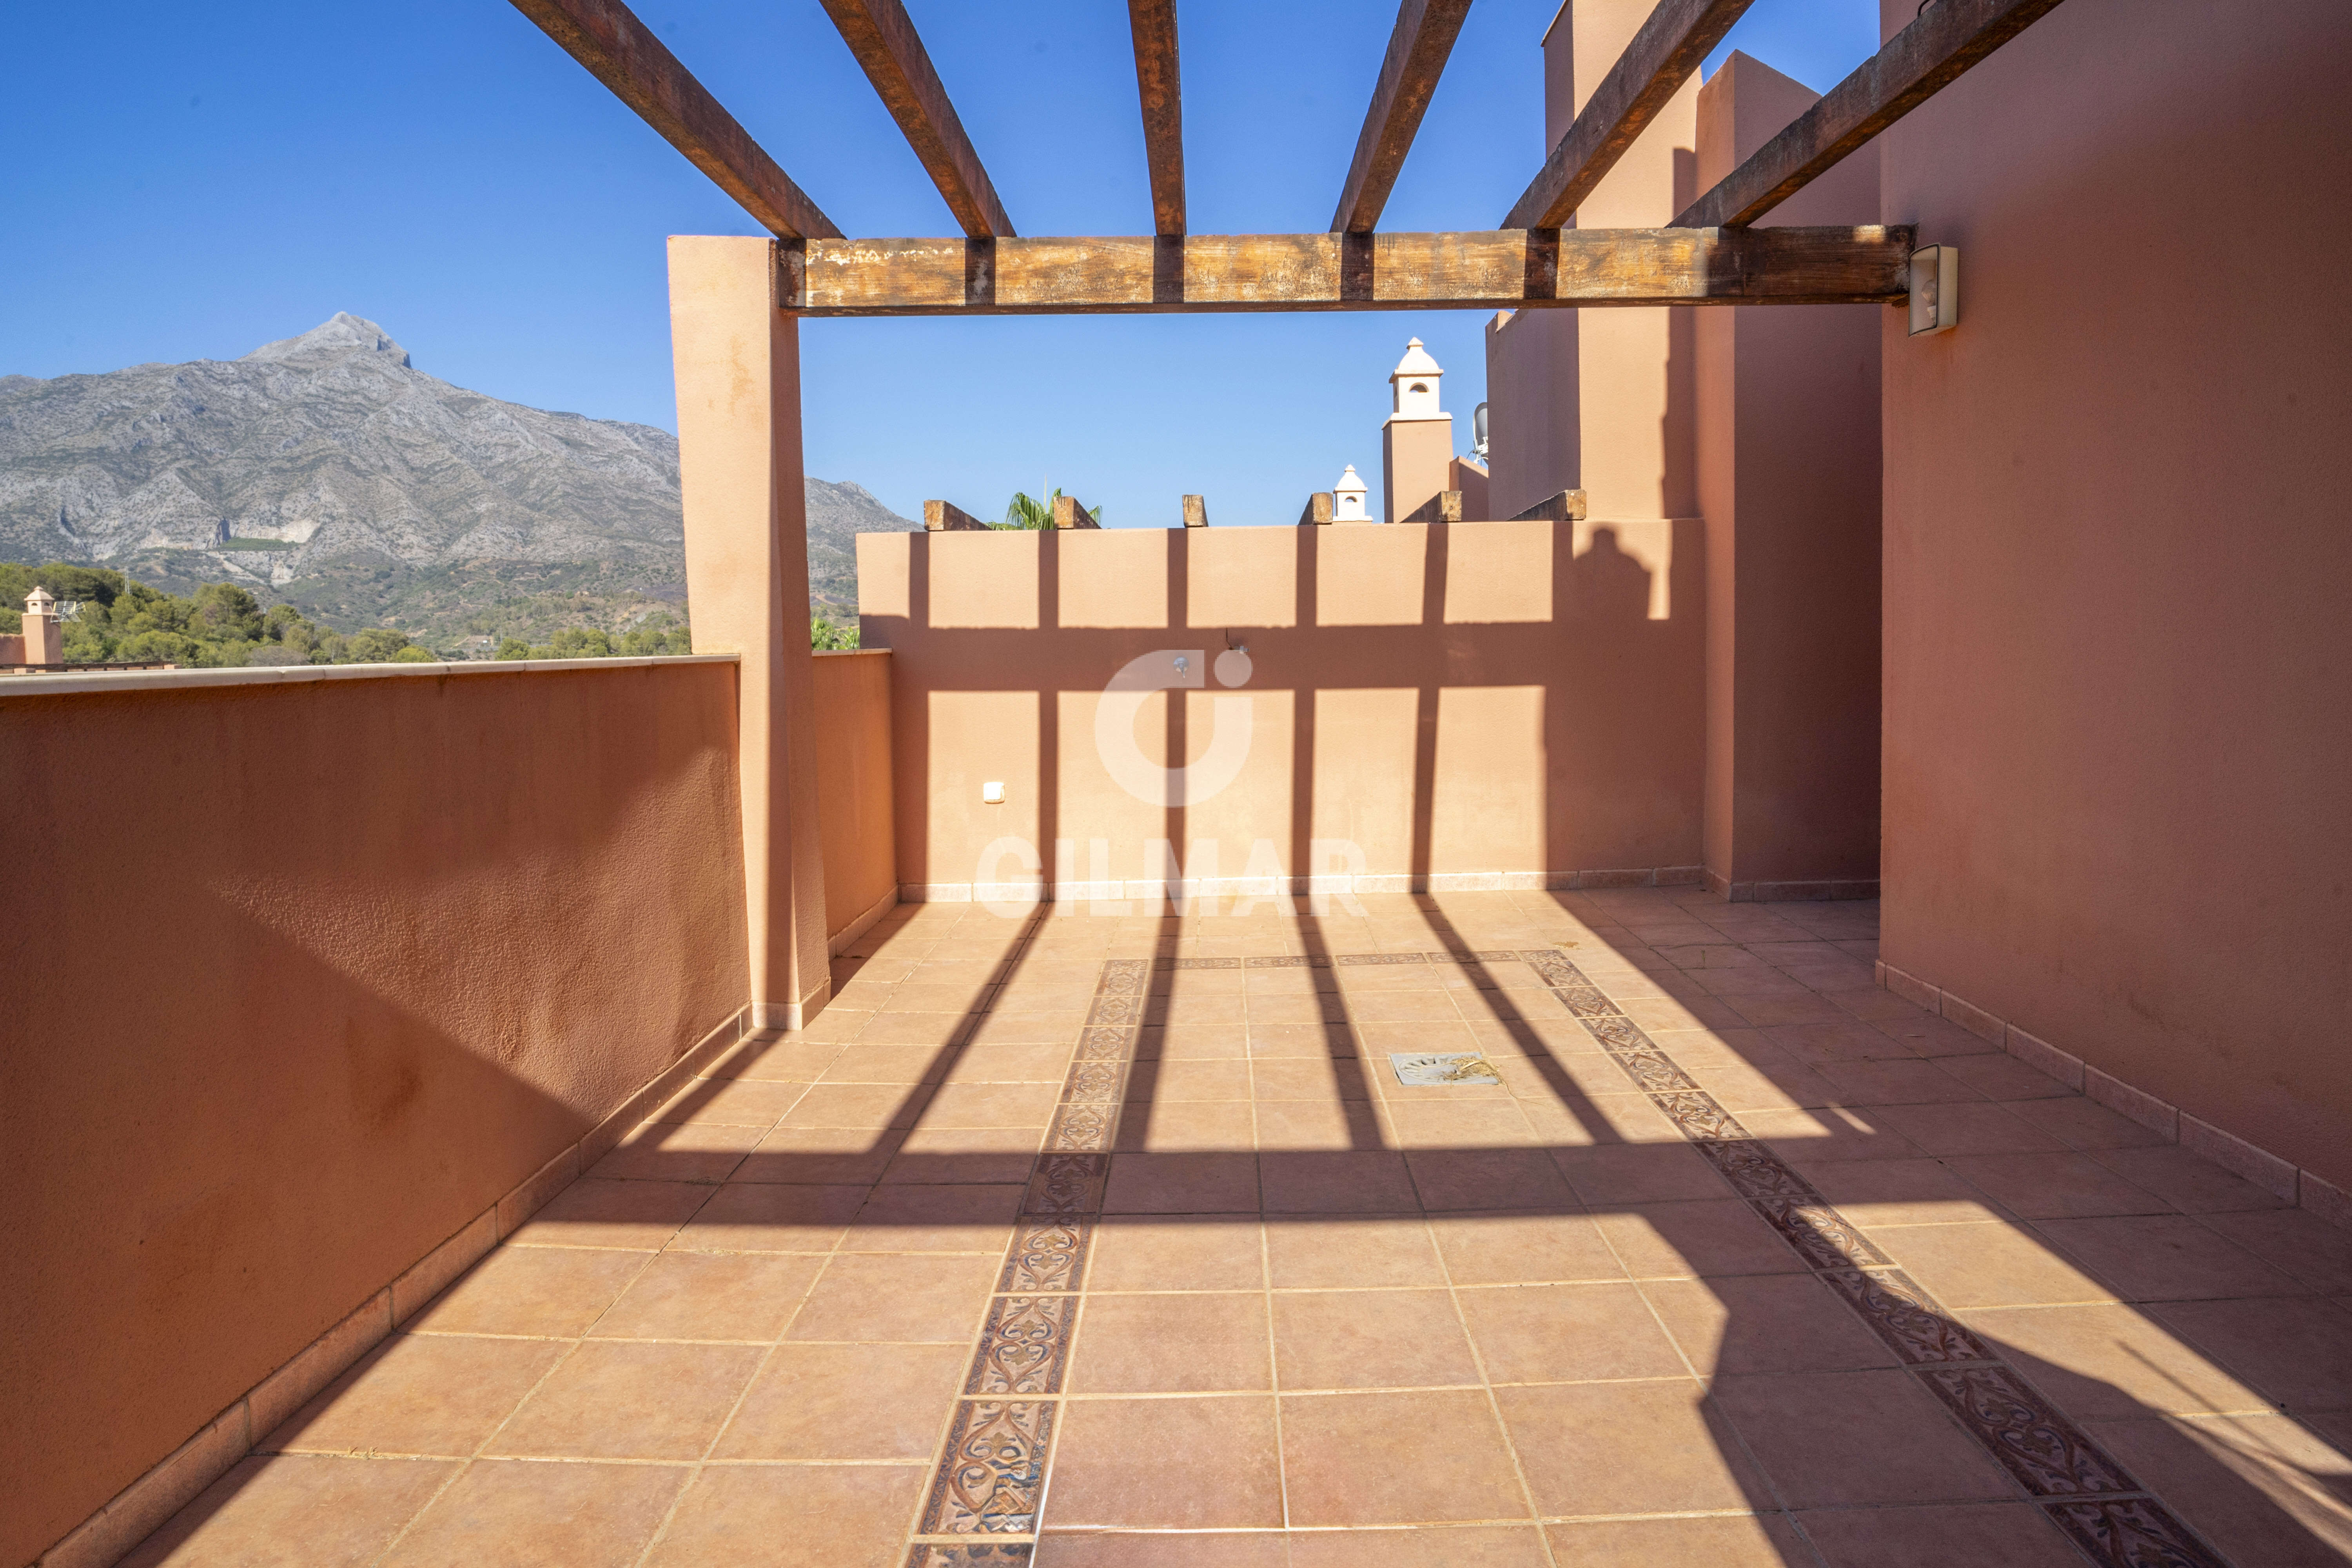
<point x="1116" y="1239"/>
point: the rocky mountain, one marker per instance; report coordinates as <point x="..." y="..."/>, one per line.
<point x="328" y="471"/>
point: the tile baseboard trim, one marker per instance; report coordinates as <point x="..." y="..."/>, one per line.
<point x="1823" y="890"/>
<point x="865" y="923"/>
<point x="2282" y="1178"/>
<point x="141" y="1509"/>
<point x="1183" y="891"/>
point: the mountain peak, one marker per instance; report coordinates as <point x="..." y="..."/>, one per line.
<point x="342" y="334"/>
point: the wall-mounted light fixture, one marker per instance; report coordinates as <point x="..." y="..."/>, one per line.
<point x="991" y="794"/>
<point x="1935" y="289"/>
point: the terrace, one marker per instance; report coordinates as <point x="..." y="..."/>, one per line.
<point x="967" y="1101"/>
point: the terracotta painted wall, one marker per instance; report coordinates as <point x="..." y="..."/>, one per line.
<point x="1787" y="414"/>
<point x="318" y="972"/>
<point x="1483" y="698"/>
<point x="853" y="783"/>
<point x="2117" y="653"/>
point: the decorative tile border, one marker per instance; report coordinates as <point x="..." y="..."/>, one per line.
<point x="2048" y="1454"/>
<point x="992" y="1474"/>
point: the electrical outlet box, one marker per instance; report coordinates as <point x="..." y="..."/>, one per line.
<point x="991" y="794"/>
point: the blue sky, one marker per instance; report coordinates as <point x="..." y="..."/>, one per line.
<point x="188" y="182"/>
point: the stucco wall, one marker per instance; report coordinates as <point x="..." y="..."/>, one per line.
<point x="1483" y="698"/>
<point x="2117" y="652"/>
<point x="853" y="783"/>
<point x="300" y="978"/>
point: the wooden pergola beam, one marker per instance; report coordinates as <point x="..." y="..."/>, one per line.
<point x="1663" y="56"/>
<point x="1483" y="270"/>
<point x="1426" y="30"/>
<point x="880" y="35"/>
<point x="621" y="52"/>
<point x="1158" y="85"/>
<point x="1950" y="37"/>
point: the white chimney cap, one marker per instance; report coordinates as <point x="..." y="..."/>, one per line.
<point x="1349" y="483"/>
<point x="39" y="601"/>
<point x="1416" y="361"/>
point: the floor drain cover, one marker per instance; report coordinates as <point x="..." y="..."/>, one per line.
<point x="1449" y="1067"/>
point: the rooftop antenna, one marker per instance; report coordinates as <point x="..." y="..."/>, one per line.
<point x="1478" y="432"/>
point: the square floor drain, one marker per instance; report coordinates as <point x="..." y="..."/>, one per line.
<point x="1421" y="1069"/>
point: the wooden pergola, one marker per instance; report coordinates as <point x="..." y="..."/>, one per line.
<point x="1711" y="255"/>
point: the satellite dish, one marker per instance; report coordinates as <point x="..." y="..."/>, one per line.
<point x="1478" y="432"/>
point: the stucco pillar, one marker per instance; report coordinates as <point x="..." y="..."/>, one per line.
<point x="739" y="429"/>
<point x="45" y="632"/>
<point x="1788" y="466"/>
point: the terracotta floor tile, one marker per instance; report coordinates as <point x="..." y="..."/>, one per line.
<point x="1764" y="1323"/>
<point x="826" y="1156"/>
<point x="1452" y="1546"/>
<point x="941" y="1217"/>
<point x="1977" y="1128"/>
<point x="1424" y="1456"/>
<point x="1184" y="1253"/>
<point x="792" y="1516"/>
<point x="1210" y="1042"/>
<point x="901" y="1065"/>
<point x="296" y="1511"/>
<point x="2262" y="1489"/>
<point x="2166" y="1258"/>
<point x="1306" y="1078"/>
<point x="1788" y="1084"/>
<point x="901" y="1299"/>
<point x="837" y="1402"/>
<point x="1154" y="1549"/>
<point x="801" y="1059"/>
<point x="1503" y="1248"/>
<point x="1187" y="1126"/>
<point x="1488" y="1122"/>
<point x="1625" y="1447"/>
<point x="1301" y="1125"/>
<point x="2056" y="1186"/>
<point x="915" y="1029"/>
<point x="2316" y="1251"/>
<point x="1488" y="1179"/>
<point x="430" y="1396"/>
<point x="1167" y="1079"/>
<point x="1609" y="1176"/>
<point x="1935" y="1037"/>
<point x="1198" y="1343"/>
<point x="2298" y="1349"/>
<point x="1843" y="1039"/>
<point x="1369" y="1339"/>
<point x="2110" y="1362"/>
<point x="858" y="1107"/>
<point x="2012" y="1534"/>
<point x="1660" y="1014"/>
<point x="1262" y="1041"/>
<point x="1183" y="1183"/>
<point x="1841" y="1438"/>
<point x="1723" y="1541"/>
<point x="2083" y="1124"/>
<point x="597" y="1211"/>
<point x="1833" y="1132"/>
<point x="982" y="1155"/>
<point x="1896" y="1083"/>
<point x="914" y="995"/>
<point x="2188" y="1181"/>
<point x="1965" y="1266"/>
<point x="711" y="1296"/>
<point x="542" y="1516"/>
<point x="1999" y="1076"/>
<point x="991" y="1105"/>
<point x="1022" y="1019"/>
<point x="743" y="1102"/>
<point x="1356" y="1182"/>
<point x="1208" y="1007"/>
<point x="1377" y="1040"/>
<point x="1567" y="1333"/>
<point x="664" y="1151"/>
<point x="627" y="1400"/>
<point x="1712" y="1237"/>
<point x="1528" y="1037"/>
<point x="1878" y="1193"/>
<point x="1166" y="1463"/>
<point x="546" y="1291"/>
<point x="770" y="1216"/>
<point x="1341" y="1254"/>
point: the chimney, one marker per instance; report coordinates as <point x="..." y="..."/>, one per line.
<point x="45" y="634"/>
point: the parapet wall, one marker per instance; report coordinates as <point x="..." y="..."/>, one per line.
<point x="1465" y="705"/>
<point x="303" y="975"/>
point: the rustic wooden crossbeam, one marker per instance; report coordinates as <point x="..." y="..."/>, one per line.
<point x="1933" y="52"/>
<point x="883" y="40"/>
<point x="1482" y="270"/>
<point x="1424" y="37"/>
<point x="1159" y="84"/>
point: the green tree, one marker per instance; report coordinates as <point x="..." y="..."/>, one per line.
<point x="411" y="654"/>
<point x="377" y="645"/>
<point x="1025" y="510"/>
<point x="825" y="637"/>
<point x="512" y="647"/>
<point x="579" y="642"/>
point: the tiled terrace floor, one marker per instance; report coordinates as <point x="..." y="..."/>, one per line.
<point x="1744" y="1261"/>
